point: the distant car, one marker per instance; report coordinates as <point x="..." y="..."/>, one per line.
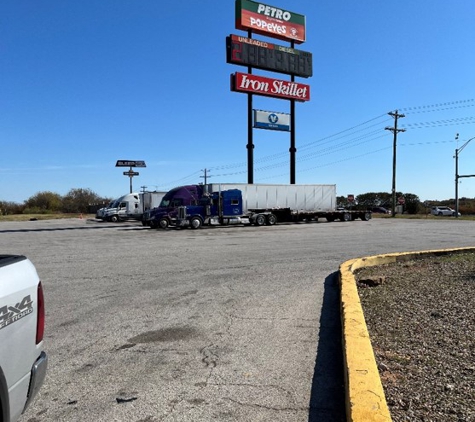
<point x="440" y="210"/>
<point x="380" y="210"/>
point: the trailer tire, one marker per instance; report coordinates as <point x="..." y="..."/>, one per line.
<point x="346" y="216"/>
<point x="330" y="218"/>
<point x="271" y="219"/>
<point x="366" y="216"/>
<point x="196" y="223"/>
<point x="260" y="220"/>
<point x="153" y="224"/>
<point x="163" y="223"/>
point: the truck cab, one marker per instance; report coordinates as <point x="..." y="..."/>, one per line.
<point x="166" y="213"/>
<point x="123" y="208"/>
<point x="222" y="207"/>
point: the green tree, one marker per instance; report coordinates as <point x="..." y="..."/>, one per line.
<point x="9" y="208"/>
<point x="412" y="203"/>
<point x="77" y="200"/>
<point x="374" y="199"/>
<point x="43" y="202"/>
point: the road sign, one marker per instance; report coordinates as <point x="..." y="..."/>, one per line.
<point x="351" y="198"/>
<point x="130" y="163"/>
<point x="401" y="200"/>
<point x="131" y="173"/>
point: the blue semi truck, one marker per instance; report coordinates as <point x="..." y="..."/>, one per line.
<point x="258" y="204"/>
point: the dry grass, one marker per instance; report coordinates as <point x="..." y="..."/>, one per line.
<point x="28" y="217"/>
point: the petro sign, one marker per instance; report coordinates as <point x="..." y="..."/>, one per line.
<point x="270" y="21"/>
<point x="253" y="84"/>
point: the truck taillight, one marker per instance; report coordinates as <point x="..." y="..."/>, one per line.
<point x="40" y="323"/>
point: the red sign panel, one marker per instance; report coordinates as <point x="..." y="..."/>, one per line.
<point x="270" y="21"/>
<point x="259" y="85"/>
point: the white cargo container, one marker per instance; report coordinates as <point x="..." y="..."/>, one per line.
<point x="296" y="197"/>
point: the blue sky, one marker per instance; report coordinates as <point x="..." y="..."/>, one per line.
<point x="85" y="83"/>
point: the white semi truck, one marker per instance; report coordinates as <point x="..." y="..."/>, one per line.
<point x="131" y="206"/>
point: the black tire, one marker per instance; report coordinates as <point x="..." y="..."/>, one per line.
<point x="153" y="224"/>
<point x="163" y="223"/>
<point x="271" y="219"/>
<point x="196" y="223"/>
<point x="115" y="218"/>
<point x="260" y="220"/>
<point x="330" y="218"/>
<point x="346" y="216"/>
<point x="366" y="216"/>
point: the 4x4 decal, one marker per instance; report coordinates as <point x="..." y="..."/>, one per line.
<point x="11" y="314"/>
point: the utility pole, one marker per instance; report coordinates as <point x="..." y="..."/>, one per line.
<point x="457" y="175"/>
<point x="395" y="131"/>
<point x="205" y="176"/>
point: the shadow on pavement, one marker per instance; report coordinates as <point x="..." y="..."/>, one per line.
<point x="327" y="399"/>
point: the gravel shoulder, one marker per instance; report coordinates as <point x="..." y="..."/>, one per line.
<point x="421" y="320"/>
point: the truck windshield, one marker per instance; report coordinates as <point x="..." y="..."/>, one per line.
<point x="171" y="203"/>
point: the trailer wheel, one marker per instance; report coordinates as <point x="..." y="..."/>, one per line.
<point x="366" y="216"/>
<point x="330" y="218"/>
<point x="260" y="220"/>
<point x="163" y="223"/>
<point x="153" y="224"/>
<point x="271" y="219"/>
<point x="196" y="223"/>
<point x="346" y="216"/>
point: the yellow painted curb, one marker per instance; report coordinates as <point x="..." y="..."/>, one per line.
<point x="365" y="399"/>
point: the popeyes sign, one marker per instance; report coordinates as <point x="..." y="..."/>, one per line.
<point x="253" y="84"/>
<point x="271" y="21"/>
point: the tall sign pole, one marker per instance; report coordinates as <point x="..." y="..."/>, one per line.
<point x="292" y="148"/>
<point x="130" y="173"/>
<point x="250" y="134"/>
<point x="284" y="25"/>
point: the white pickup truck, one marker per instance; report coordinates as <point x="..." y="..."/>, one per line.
<point x="23" y="361"/>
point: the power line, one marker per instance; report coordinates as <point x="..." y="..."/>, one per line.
<point x="429" y="108"/>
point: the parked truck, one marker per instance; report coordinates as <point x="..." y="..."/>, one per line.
<point x="23" y="361"/>
<point x="131" y="206"/>
<point x="259" y="204"/>
<point x="166" y="213"/>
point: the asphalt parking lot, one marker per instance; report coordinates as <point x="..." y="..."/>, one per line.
<point x="228" y="324"/>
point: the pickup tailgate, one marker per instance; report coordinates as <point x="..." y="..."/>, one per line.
<point x="18" y="328"/>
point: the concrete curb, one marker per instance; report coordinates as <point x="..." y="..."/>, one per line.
<point x="365" y="399"/>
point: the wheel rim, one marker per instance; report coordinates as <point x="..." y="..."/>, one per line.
<point x="260" y="220"/>
<point x="271" y="220"/>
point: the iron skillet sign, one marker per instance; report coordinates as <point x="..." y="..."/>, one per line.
<point x="253" y="84"/>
